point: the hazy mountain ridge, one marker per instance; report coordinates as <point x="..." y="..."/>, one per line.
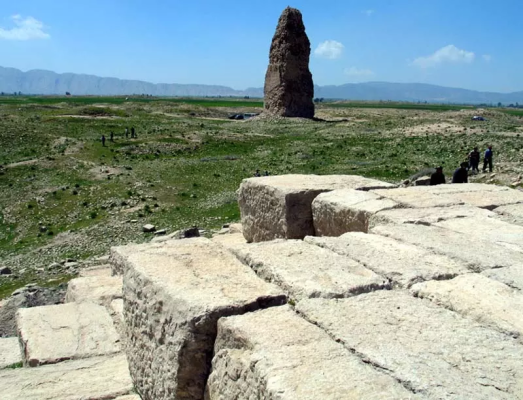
<point x="48" y="82"/>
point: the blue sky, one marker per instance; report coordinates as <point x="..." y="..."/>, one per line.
<point x="460" y="43"/>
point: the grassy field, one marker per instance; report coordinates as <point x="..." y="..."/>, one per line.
<point x="64" y="195"/>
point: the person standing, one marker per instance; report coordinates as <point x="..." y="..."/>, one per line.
<point x="474" y="157"/>
<point x="112" y="136"/>
<point x="103" y="140"/>
<point x="133" y="135"/>
<point x="127" y="133"/>
<point x="489" y="154"/>
<point x="461" y="175"/>
<point x="437" y="178"/>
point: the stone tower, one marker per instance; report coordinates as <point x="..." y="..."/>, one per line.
<point x="288" y="82"/>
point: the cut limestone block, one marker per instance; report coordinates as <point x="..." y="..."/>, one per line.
<point x="129" y="397"/>
<point x="415" y="198"/>
<point x="477" y="255"/>
<point x="487" y="301"/>
<point x="305" y="271"/>
<point x="433" y="351"/>
<point x="97" y="378"/>
<point x="512" y="214"/>
<point x="462" y="188"/>
<point x="402" y="263"/>
<point x="427" y="216"/>
<point x="510" y="276"/>
<point x="230" y="239"/>
<point x="489" y="200"/>
<point x="274" y="354"/>
<point x="50" y="334"/>
<point x="97" y="289"/>
<point x="174" y="294"/>
<point x="9" y="352"/>
<point x="346" y="210"/>
<point x="101" y="270"/>
<point x="275" y="207"/>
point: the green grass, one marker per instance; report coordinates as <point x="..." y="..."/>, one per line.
<point x="401" y="106"/>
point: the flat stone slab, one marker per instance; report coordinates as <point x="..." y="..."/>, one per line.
<point x="510" y="276"/>
<point x="462" y="188"/>
<point x="274" y="354"/>
<point x="174" y="294"/>
<point x="97" y="378"/>
<point x="487" y="301"/>
<point x="97" y="289"/>
<point x="230" y="239"/>
<point x="50" y="334"/>
<point x="402" y="263"/>
<point x="435" y="352"/>
<point x="279" y="206"/>
<point x="512" y="214"/>
<point x="413" y="197"/>
<point x="101" y="270"/>
<point x="490" y="199"/>
<point x="476" y="254"/>
<point x="9" y="352"/>
<point x="306" y="271"/>
<point x="346" y="210"/>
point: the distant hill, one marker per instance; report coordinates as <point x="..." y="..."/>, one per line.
<point x="48" y="82"/>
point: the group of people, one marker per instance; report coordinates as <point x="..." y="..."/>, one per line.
<point x="133" y="135"/>
<point x="461" y="174"/>
<point x="258" y="174"/>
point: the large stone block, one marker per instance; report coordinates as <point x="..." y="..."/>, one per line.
<point x="174" y="294"/>
<point x="99" y="270"/>
<point x="275" y="207"/>
<point x="305" y="271"/>
<point x="9" y="352"/>
<point x="510" y="276"/>
<point x="488" y="199"/>
<point x="402" y="263"/>
<point x="487" y="301"/>
<point x="462" y="188"/>
<point x="413" y="197"/>
<point x="433" y="351"/>
<point x="476" y="254"/>
<point x="230" y="239"/>
<point x="346" y="210"/>
<point x="512" y="214"/>
<point x="97" y="289"/>
<point x="50" y="334"/>
<point x="97" y="378"/>
<point x="274" y="354"/>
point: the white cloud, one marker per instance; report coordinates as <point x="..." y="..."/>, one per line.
<point x="447" y="54"/>
<point x="330" y="49"/>
<point x="24" y="29"/>
<point x="353" y="71"/>
<point x="487" y="57"/>
<point x="368" y="13"/>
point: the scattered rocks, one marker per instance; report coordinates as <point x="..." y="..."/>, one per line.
<point x="148" y="228"/>
<point x="160" y="232"/>
<point x="190" y="232"/>
<point x="5" y="271"/>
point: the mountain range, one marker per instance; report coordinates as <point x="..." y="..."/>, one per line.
<point x="43" y="82"/>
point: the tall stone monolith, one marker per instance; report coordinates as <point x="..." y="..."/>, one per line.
<point x="288" y="82"/>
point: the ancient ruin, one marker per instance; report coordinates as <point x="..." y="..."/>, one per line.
<point x="289" y="89"/>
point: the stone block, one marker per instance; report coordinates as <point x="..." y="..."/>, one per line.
<point x="274" y="354"/>
<point x="306" y="271"/>
<point x="99" y="270"/>
<point x="229" y="239"/>
<point x="462" y="188"/>
<point x="512" y="214"/>
<point x="433" y="351"/>
<point x="477" y="255"/>
<point x="279" y="206"/>
<point x="489" y="199"/>
<point x="174" y="294"/>
<point x="346" y="210"/>
<point x="97" y="378"/>
<point x="510" y="276"/>
<point x="485" y="300"/>
<point x="402" y="263"/>
<point x="97" y="289"/>
<point x="413" y="197"/>
<point x="9" y="352"/>
<point x="50" y="334"/>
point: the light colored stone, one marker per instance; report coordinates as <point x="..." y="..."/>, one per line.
<point x="476" y="254"/>
<point x="435" y="352"/>
<point x="174" y="294"/>
<point x="489" y="200"/>
<point x="279" y="206"/>
<point x="346" y="210"/>
<point x="102" y="270"/>
<point x="274" y="354"/>
<point x="50" y="334"/>
<point x="9" y="352"/>
<point x="306" y="271"/>
<point x="512" y="214"/>
<point x="487" y="301"/>
<point x="427" y="216"/>
<point x="402" y="263"/>
<point x="148" y="228"/>
<point x="97" y="289"/>
<point x="129" y="397"/>
<point x="230" y="239"/>
<point x="116" y="311"/>
<point x="462" y="188"/>
<point x="235" y="228"/>
<point x="97" y="378"/>
<point x="414" y="198"/>
<point x="510" y="276"/>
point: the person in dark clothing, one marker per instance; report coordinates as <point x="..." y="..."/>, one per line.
<point x="474" y="157"/>
<point x="127" y="133"/>
<point x="112" y="137"/>
<point x="257" y="173"/>
<point x="488" y="159"/>
<point x="461" y="175"/>
<point x="437" y="178"/>
<point x="133" y="134"/>
<point x="103" y="140"/>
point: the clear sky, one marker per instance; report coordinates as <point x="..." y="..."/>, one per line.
<point x="473" y="44"/>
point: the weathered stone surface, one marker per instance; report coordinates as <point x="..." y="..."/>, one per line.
<point x="102" y="270"/>
<point x="148" y="228"/>
<point x="9" y="352"/>
<point x="489" y="199"/>
<point x="487" y="301"/>
<point x="97" y="289"/>
<point x="230" y="239"/>
<point x="174" y="293"/>
<point x="402" y="263"/>
<point x="305" y="271"/>
<point x="346" y="210"/>
<point x="510" y="276"/>
<point x="415" y="198"/>
<point x="477" y="255"/>
<point x="462" y="188"/>
<point x="427" y="216"/>
<point x="274" y="354"/>
<point x="435" y="352"/>
<point x="50" y="334"/>
<point x="129" y="397"/>
<point x="279" y="206"/>
<point x="512" y="214"/>
<point x="288" y="82"/>
<point x="97" y="378"/>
